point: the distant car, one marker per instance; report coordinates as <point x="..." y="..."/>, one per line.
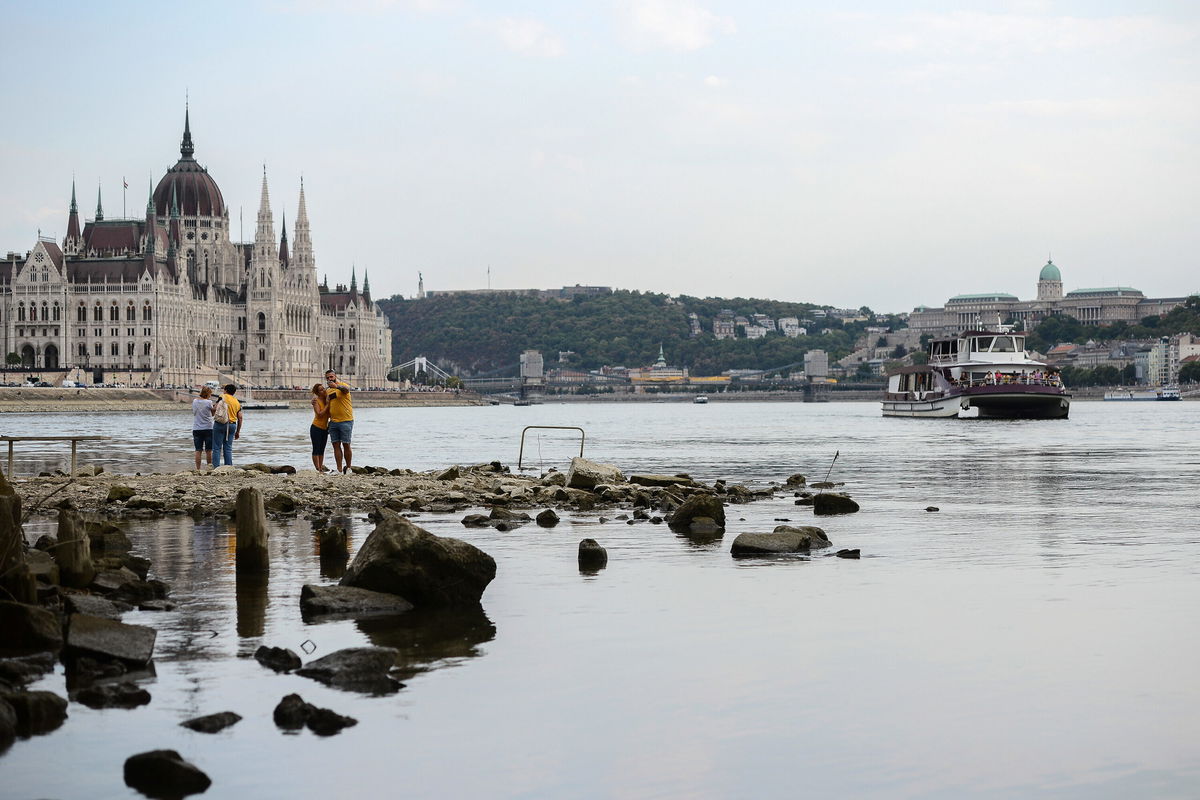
<point x="69" y="384"/>
<point x="43" y="384"/>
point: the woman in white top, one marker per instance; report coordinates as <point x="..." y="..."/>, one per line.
<point x="202" y="425"/>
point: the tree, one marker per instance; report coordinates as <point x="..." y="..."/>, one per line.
<point x="12" y="358"/>
<point x="1190" y="372"/>
<point x="899" y="352"/>
<point x="864" y="372"/>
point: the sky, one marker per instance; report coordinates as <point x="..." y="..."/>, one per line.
<point x="886" y="154"/>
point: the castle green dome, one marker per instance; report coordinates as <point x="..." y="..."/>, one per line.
<point x="1050" y="273"/>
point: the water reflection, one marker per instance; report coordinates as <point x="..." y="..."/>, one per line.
<point x="430" y="639"/>
<point x="251" y="589"/>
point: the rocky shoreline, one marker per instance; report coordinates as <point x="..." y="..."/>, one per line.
<point x="62" y="597"/>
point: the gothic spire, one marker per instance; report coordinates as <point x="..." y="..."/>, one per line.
<point x="353" y="281"/>
<point x="366" y="283"/>
<point x="283" y="245"/>
<point x="74" y="206"/>
<point x="99" y="206"/>
<point x="186" y="148"/>
<point x="174" y="202"/>
<point x="72" y="240"/>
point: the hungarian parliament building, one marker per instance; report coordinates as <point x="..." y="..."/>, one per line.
<point x="169" y="298"/>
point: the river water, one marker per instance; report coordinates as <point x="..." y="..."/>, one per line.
<point x="1036" y="637"/>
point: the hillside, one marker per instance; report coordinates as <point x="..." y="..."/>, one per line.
<point x="480" y="334"/>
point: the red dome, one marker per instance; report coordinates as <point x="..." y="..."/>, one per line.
<point x="196" y="193"/>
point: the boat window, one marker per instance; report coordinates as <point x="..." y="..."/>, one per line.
<point x="1003" y="344"/>
<point x="981" y="344"/>
<point x="1019" y="342"/>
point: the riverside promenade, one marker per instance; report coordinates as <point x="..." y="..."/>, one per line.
<point x="27" y="399"/>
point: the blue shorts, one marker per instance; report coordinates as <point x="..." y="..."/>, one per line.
<point x="202" y="440"/>
<point x="339" y="432"/>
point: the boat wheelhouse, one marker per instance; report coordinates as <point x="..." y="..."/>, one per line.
<point x="978" y="374"/>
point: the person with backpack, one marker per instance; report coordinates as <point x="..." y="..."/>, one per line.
<point x="202" y="425"/>
<point x="227" y="426"/>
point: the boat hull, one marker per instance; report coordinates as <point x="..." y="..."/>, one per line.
<point x="941" y="408"/>
<point x="1002" y="402"/>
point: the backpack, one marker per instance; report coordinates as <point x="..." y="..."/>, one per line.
<point x="221" y="411"/>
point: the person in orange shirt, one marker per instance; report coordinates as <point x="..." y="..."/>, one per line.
<point x="318" y="431"/>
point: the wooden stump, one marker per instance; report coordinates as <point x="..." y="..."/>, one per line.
<point x="15" y="579"/>
<point x="74" y="551"/>
<point x="251" y="532"/>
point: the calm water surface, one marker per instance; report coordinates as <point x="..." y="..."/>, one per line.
<point x="1035" y="638"/>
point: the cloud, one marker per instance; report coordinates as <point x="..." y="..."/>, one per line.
<point x="529" y="37"/>
<point x="713" y="82"/>
<point x="368" y="6"/>
<point x="671" y="24"/>
<point x="973" y="33"/>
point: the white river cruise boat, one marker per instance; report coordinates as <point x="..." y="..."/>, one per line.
<point x="978" y="374"/>
<point x="1156" y="393"/>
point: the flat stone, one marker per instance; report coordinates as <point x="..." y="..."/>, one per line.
<point x="664" y="481"/>
<point x="585" y="474"/>
<point x="360" y="669"/>
<point x="95" y="606"/>
<point x="28" y="629"/>
<point x="350" y="600"/>
<point x="279" y="659"/>
<point x="113" y="695"/>
<point x="97" y="636"/>
<point x="212" y="723"/>
<point x="109" y="580"/>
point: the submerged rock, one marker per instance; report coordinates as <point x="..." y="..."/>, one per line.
<point x="591" y="555"/>
<point x="164" y="774"/>
<point x="350" y="601"/>
<point x="784" y="539"/>
<point x="828" y="503"/>
<point x="847" y="553"/>
<point x="279" y="659"/>
<point x="547" y="518"/>
<point x="698" y="505"/>
<point x="25" y="669"/>
<point x="293" y="713"/>
<point x="662" y="480"/>
<point x="795" y="480"/>
<point x="212" y="723"/>
<point x="113" y="695"/>
<point x="400" y="558"/>
<point x="37" y="712"/>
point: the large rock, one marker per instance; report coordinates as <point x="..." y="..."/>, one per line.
<point x="293" y="713"/>
<point x="349" y="601"/>
<point x="401" y="558"/>
<point x="665" y="481"/>
<point x="784" y="539"/>
<point x="37" y="712"/>
<point x="357" y="669"/>
<point x="25" y="669"/>
<point x="126" y="694"/>
<point x="106" y="638"/>
<point x="585" y="474"/>
<point x="279" y="659"/>
<point x="8" y="724"/>
<point x="118" y="493"/>
<point x="698" y="505"/>
<point x="592" y="556"/>
<point x="28" y="629"/>
<point x="547" y="518"/>
<point x="828" y="503"/>
<point x="164" y="773"/>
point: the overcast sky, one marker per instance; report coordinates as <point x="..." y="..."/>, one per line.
<point x="877" y="153"/>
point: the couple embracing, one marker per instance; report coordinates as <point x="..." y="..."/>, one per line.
<point x="333" y="420"/>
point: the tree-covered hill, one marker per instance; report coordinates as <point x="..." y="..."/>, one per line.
<point x="481" y="333"/>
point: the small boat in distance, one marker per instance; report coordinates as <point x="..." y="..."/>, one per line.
<point x="1155" y="393"/>
<point x="700" y="399"/>
<point x="978" y="374"/>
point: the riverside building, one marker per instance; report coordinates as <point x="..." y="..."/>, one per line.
<point x="170" y="298"/>
<point x="1101" y="306"/>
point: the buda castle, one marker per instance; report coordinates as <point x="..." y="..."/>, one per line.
<point x="170" y="298"/>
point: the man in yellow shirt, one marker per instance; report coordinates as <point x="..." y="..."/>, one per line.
<point x="225" y="432"/>
<point x="341" y="420"/>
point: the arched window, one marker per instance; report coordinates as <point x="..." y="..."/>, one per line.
<point x="115" y="349"/>
<point x="114" y="313"/>
<point x="57" y="313"/>
<point x="99" y="349"/>
<point x="45" y="313"/>
<point x="21" y="312"/>
<point x="129" y="349"/>
<point x="352" y="334"/>
<point x="82" y="350"/>
<point x="262" y="354"/>
<point x="147" y="314"/>
<point x="130" y="313"/>
<point x="262" y="321"/>
<point x="98" y="315"/>
<point x="81" y="313"/>
<point x="146" y="348"/>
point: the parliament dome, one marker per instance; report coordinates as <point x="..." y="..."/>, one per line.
<point x="194" y="190"/>
<point x="1049" y="272"/>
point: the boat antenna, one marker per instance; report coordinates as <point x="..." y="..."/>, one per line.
<point x="836" y="453"/>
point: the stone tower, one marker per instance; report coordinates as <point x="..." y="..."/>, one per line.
<point x="1050" y="286"/>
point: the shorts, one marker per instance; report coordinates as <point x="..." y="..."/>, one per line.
<point x="319" y="437"/>
<point x="340" y="431"/>
<point x="202" y="440"/>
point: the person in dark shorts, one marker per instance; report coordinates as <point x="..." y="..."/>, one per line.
<point x="202" y="425"/>
<point x="318" y="431"/>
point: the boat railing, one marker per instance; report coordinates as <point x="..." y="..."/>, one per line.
<point x="1008" y="379"/>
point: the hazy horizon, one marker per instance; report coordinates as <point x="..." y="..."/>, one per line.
<point x="836" y="154"/>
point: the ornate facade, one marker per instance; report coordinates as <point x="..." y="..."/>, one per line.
<point x="1094" y="306"/>
<point x="171" y="298"/>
